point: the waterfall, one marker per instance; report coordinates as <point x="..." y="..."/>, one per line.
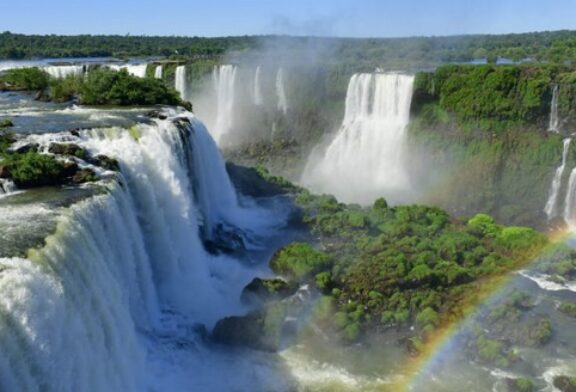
<point x="180" y="81"/>
<point x="551" y="208"/>
<point x="224" y="79"/>
<point x="138" y="70"/>
<point x="62" y="71"/>
<point x="257" y="87"/>
<point x="570" y="201"/>
<point x="125" y="269"/>
<point x="365" y="159"/>
<point x="554" y="119"/>
<point x="281" y="92"/>
<point x="158" y="72"/>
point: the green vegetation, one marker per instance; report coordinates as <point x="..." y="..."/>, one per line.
<point x="568" y="309"/>
<point x="6" y="123"/>
<point x="487" y="97"/>
<point x="106" y="87"/>
<point x="399" y="266"/>
<point x="33" y="169"/>
<point x="29" y="79"/>
<point x="102" y="86"/>
<point x="555" y="46"/>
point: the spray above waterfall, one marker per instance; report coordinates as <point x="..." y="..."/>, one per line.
<point x="365" y="160"/>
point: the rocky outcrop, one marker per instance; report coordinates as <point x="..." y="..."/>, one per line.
<point x="565" y="383"/>
<point x="69" y="149"/>
<point x="266" y="290"/>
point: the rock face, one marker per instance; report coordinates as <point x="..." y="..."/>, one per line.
<point x="250" y="183"/>
<point x="565" y="383"/>
<point x="269" y="328"/>
<point x="4" y="172"/>
<point x="68" y="149"/>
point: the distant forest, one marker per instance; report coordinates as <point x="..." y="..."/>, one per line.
<point x="553" y="46"/>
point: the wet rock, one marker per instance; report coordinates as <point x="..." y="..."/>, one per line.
<point x="225" y="239"/>
<point x="84" y="175"/>
<point x="68" y="149"/>
<point x="4" y="171"/>
<point x="105" y="162"/>
<point x="30" y="147"/>
<point x="157" y="114"/>
<point x="565" y="383"/>
<point x="265" y="290"/>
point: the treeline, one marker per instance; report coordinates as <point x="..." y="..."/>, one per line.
<point x="549" y="46"/>
<point x="20" y="46"/>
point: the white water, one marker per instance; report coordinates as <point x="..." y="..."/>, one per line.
<point x="62" y="71"/>
<point x="257" y="93"/>
<point x="570" y="201"/>
<point x="6" y="187"/>
<point x="110" y="303"/>
<point x="281" y="92"/>
<point x="224" y="79"/>
<point x="551" y="208"/>
<point x="180" y="81"/>
<point x="365" y="159"/>
<point x="554" y="123"/>
<point x="158" y="72"/>
<point x="138" y="70"/>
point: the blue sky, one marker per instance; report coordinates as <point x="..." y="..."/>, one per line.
<point x="356" y="18"/>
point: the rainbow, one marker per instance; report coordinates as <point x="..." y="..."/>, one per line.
<point x="446" y="341"/>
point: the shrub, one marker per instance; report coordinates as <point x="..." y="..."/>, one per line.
<point x="299" y="261"/>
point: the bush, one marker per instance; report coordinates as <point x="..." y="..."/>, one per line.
<point x="33" y="169"/>
<point x="29" y="79"/>
<point x="299" y="261"/>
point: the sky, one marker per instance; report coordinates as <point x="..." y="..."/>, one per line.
<point x="343" y="18"/>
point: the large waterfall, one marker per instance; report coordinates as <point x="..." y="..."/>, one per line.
<point x="124" y="282"/>
<point x="281" y="91"/>
<point x="224" y="79"/>
<point x="365" y="159"/>
<point x="554" y="123"/>
<point x="62" y="71"/>
<point x="180" y="81"/>
<point x="551" y="208"/>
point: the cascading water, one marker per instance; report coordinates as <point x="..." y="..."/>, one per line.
<point x="365" y="159"/>
<point x="138" y="70"/>
<point x="62" y="71"/>
<point x="257" y="93"/>
<point x="281" y="92"/>
<point x="6" y="187"/>
<point x="554" y="123"/>
<point x="224" y="79"/>
<point x="570" y="201"/>
<point x="158" y="72"/>
<point x="121" y="285"/>
<point x="180" y="81"/>
<point x="551" y="208"/>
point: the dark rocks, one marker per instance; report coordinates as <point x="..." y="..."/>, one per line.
<point x="247" y="331"/>
<point x="68" y="149"/>
<point x="565" y="383"/>
<point x="250" y="183"/>
<point x="105" y="162"/>
<point x="4" y="171"/>
<point x="157" y="114"/>
<point x="84" y="175"/>
<point x="224" y="239"/>
<point x="30" y="147"/>
<point x="265" y="290"/>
